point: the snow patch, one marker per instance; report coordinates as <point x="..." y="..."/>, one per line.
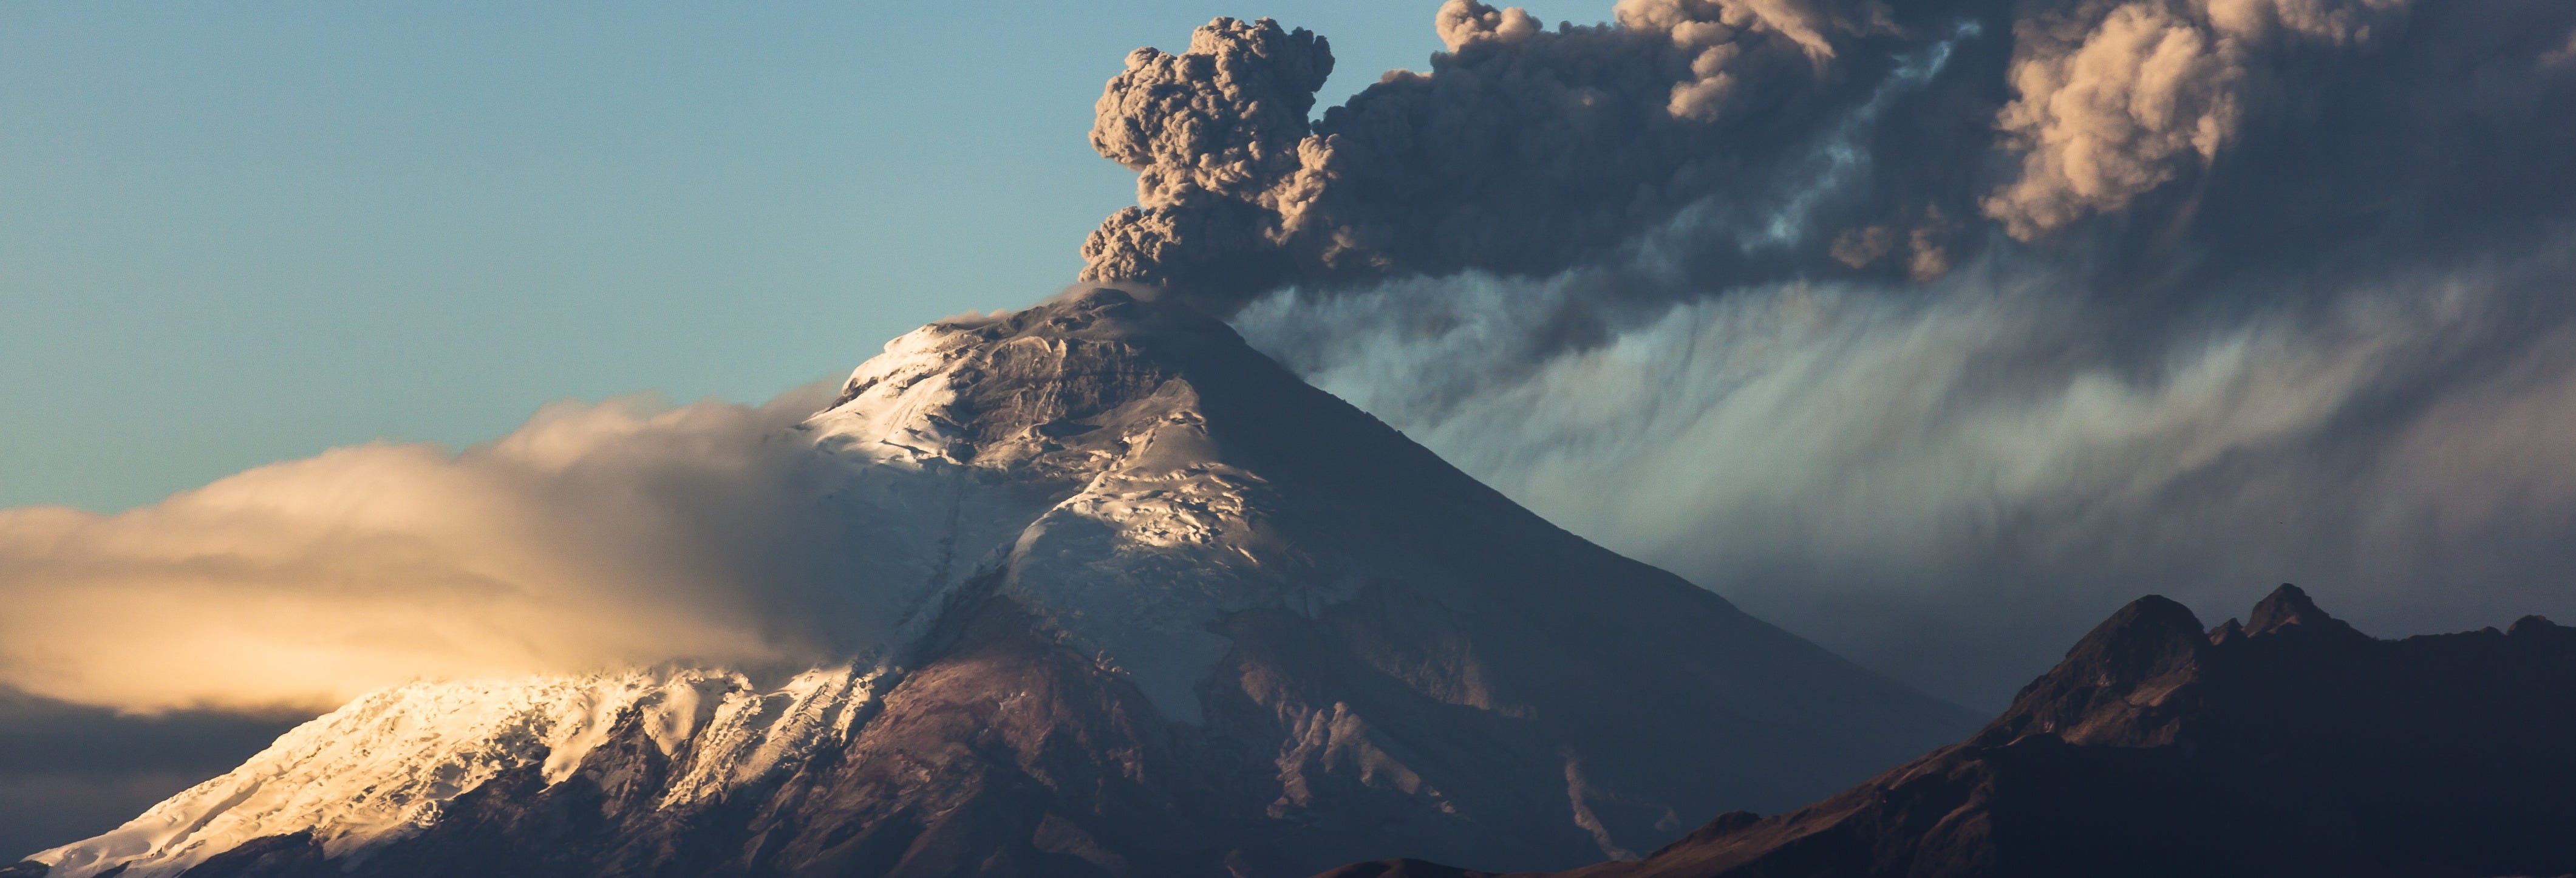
<point x="388" y="764"/>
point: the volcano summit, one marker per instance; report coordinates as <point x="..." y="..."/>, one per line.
<point x="1127" y="598"/>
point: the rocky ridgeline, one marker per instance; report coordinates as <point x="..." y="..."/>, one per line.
<point x="2286" y="745"/>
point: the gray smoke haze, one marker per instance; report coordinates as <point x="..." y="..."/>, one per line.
<point x="1951" y="483"/>
<point x="1936" y="331"/>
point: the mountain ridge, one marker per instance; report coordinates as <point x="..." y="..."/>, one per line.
<point x="2291" y="746"/>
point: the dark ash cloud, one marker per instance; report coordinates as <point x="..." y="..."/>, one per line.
<point x="1936" y="330"/>
<point x="1737" y="141"/>
<point x="1523" y="150"/>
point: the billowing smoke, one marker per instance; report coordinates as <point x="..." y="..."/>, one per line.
<point x="2112" y="102"/>
<point x="1721" y="142"/>
<point x="1214" y="134"/>
<point x="593" y="537"/>
<point x="1524" y="150"/>
<point x="1938" y="330"/>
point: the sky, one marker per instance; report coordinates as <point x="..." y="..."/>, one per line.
<point x="237" y="234"/>
<point x="1933" y="332"/>
<point x="245" y="233"/>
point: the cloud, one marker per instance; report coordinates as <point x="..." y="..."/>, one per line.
<point x="1523" y="149"/>
<point x="2111" y="104"/>
<point x="1214" y="134"/>
<point x="1950" y="482"/>
<point x="2562" y="55"/>
<point x="2156" y="139"/>
<point x="596" y="535"/>
<point x="1936" y="330"/>
<point x="2140" y="98"/>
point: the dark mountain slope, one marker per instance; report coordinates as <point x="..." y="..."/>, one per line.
<point x="2290" y="746"/>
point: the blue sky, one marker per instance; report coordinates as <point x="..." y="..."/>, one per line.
<point x="241" y="233"/>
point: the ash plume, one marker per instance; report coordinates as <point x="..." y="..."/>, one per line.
<point x="1701" y="135"/>
<point x="1523" y="149"/>
<point x="1936" y="330"/>
<point x="1212" y="133"/>
<point x="2110" y="103"/>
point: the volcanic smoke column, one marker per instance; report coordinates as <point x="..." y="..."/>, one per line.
<point x="1523" y="151"/>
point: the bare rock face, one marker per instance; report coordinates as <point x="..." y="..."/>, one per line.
<point x="1139" y="602"/>
<point x="2291" y="746"/>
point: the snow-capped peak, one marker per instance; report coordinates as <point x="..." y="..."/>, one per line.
<point x="1150" y="533"/>
<point x="1053" y="457"/>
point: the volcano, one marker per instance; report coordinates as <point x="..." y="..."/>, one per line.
<point x="1125" y="598"/>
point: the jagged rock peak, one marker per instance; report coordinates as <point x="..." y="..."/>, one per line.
<point x="2229" y="631"/>
<point x="2151" y="636"/>
<point x="2273" y="753"/>
<point x="2131" y="680"/>
<point x="2115" y="682"/>
<point x="2289" y="606"/>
